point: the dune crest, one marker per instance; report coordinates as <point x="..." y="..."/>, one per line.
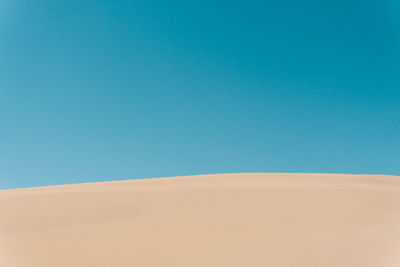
<point x="278" y="220"/>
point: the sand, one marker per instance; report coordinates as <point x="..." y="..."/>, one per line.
<point x="276" y="220"/>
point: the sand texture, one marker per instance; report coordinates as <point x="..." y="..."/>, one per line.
<point x="249" y="220"/>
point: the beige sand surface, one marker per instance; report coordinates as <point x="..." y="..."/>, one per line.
<point x="277" y="220"/>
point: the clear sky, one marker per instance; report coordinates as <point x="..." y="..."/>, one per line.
<point x="103" y="90"/>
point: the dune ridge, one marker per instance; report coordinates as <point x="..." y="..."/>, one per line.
<point x="243" y="219"/>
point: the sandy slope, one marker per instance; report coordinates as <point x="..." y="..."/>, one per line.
<point x="276" y="220"/>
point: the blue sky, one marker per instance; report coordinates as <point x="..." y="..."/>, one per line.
<point x="103" y="90"/>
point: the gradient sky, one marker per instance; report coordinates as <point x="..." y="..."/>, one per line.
<point x="103" y="90"/>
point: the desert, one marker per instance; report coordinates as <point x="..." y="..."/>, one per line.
<point x="246" y="219"/>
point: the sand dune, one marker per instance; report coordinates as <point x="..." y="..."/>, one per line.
<point x="276" y="220"/>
